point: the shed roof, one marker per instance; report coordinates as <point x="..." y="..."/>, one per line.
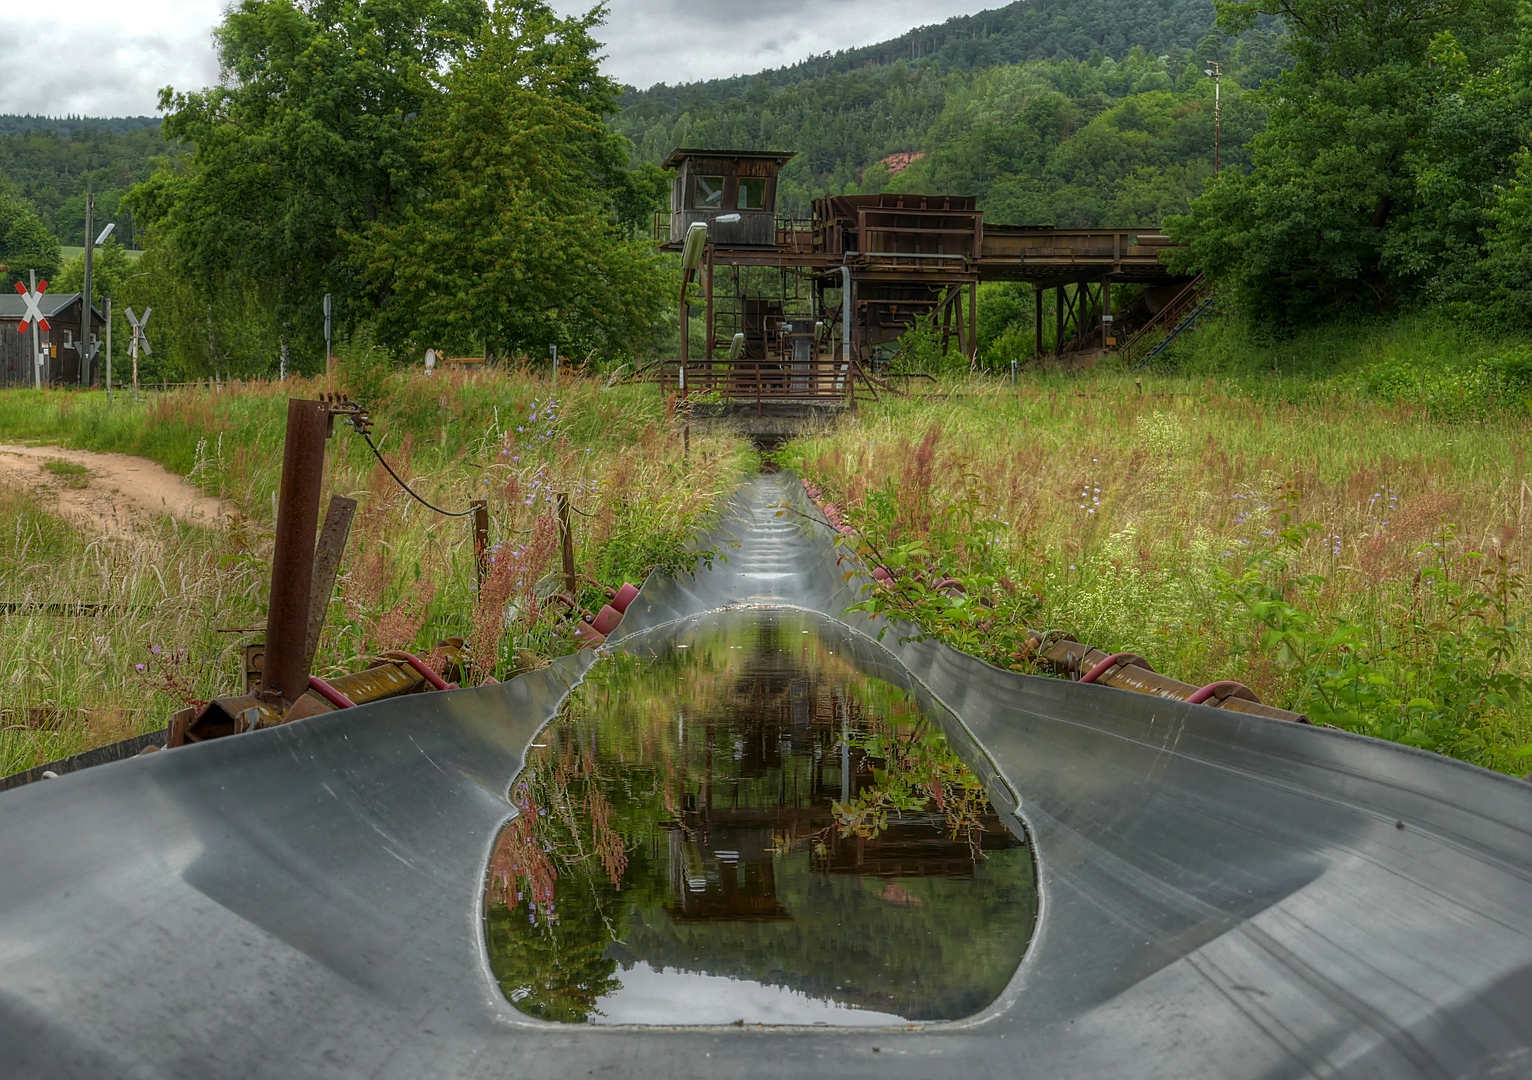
<point x="679" y="155"/>
<point x="12" y="306"/>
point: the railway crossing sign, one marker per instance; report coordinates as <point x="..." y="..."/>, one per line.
<point x="32" y="298"/>
<point x="139" y="340"/>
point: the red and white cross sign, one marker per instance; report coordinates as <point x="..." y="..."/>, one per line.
<point x="34" y="313"/>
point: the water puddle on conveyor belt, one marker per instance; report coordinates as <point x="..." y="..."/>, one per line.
<point x="739" y="826"/>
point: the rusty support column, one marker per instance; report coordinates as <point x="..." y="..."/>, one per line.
<point x="1058" y="318"/>
<point x="566" y="544"/>
<point x="707" y="349"/>
<point x="327" y="555"/>
<point x="480" y="540"/>
<point x="1106" y="310"/>
<point x="285" y="674"/>
<point x="1037" y="322"/>
<point x="973" y="323"/>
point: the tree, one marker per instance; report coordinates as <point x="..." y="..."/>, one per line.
<point x="1385" y="142"/>
<point x="308" y="142"/>
<point x="515" y="243"/>
<point x="25" y="243"/>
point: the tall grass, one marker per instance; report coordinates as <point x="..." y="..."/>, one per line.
<point x="159" y="641"/>
<point x="1354" y="558"/>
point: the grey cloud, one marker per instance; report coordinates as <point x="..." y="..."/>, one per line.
<point x="99" y="71"/>
<point x="674" y="41"/>
<point x="119" y="71"/>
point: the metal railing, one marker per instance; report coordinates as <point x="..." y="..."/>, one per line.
<point x="1167" y="323"/>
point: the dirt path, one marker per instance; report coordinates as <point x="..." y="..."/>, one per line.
<point x="116" y="495"/>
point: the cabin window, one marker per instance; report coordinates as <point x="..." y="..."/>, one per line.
<point x="752" y="193"/>
<point x="709" y="193"/>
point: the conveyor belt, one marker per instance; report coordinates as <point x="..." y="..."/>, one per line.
<point x="1222" y="895"/>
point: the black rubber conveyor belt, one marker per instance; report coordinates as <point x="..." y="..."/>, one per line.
<point x="1222" y="895"/>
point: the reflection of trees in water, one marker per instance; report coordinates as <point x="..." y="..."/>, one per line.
<point x="671" y="785"/>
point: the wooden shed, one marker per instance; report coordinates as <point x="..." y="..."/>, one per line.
<point x="712" y="183"/>
<point x="61" y="363"/>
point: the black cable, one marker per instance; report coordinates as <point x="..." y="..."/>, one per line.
<point x="377" y="454"/>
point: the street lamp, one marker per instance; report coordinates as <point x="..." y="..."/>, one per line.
<point x="1214" y="71"/>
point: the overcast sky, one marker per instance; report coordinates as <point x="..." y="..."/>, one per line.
<point x="110" y="57"/>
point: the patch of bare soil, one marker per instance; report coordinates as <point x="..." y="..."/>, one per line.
<point x="117" y="495"/>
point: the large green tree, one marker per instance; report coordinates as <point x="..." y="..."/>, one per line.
<point x="309" y="140"/>
<point x="1374" y="181"/>
<point x="516" y="242"/>
<point x="25" y="242"/>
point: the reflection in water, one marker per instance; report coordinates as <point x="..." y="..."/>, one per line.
<point x="745" y="828"/>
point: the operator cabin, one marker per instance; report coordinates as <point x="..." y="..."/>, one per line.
<point x="709" y="183"/>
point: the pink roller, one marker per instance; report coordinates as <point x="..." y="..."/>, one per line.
<point x="329" y="693"/>
<point x="625" y="596"/>
<point x="589" y="638"/>
<point x="1104" y="666"/>
<point x="1225" y="687"/>
<point x="606" y="620"/>
<point x="421" y="666"/>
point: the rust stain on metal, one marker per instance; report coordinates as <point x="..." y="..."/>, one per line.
<point x="285" y="675"/>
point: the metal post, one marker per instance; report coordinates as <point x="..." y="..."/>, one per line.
<point x="845" y="329"/>
<point x="480" y="539"/>
<point x="285" y="675"/>
<point x="37" y="348"/>
<point x="1107" y="318"/>
<point x="1058" y="319"/>
<point x="108" y="348"/>
<point x="1037" y="322"/>
<point x="973" y="324"/>
<point x="707" y="348"/>
<point x="327" y="556"/>
<point x="329" y="361"/>
<point x="566" y="544"/>
<point x="83" y="348"/>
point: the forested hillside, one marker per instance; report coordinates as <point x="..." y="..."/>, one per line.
<point x="52" y="162"/>
<point x="1083" y="113"/>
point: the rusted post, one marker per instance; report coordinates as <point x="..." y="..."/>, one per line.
<point x="285" y="675"/>
<point x="566" y="544"/>
<point x="327" y="556"/>
<point x="480" y="539"/>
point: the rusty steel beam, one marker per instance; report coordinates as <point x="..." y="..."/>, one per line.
<point x="285" y="675"/>
<point x="327" y="556"/>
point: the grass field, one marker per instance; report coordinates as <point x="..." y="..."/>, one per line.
<point x="1352" y="554"/>
<point x="171" y="594"/>
<point x="1339" y="522"/>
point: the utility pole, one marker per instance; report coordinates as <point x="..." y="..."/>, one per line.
<point x="83" y="348"/>
<point x="1215" y="71"/>
<point x="107" y="303"/>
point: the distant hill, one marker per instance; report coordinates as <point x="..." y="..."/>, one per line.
<point x="11" y="124"/>
<point x="1025" y="30"/>
<point x="52" y="161"/>
<point x="991" y="105"/>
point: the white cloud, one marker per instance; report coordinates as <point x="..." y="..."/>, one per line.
<point x="99" y="58"/>
<point x="102" y="59"/>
